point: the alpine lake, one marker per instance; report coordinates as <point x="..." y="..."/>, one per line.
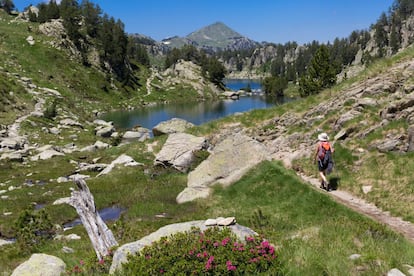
<point x="196" y="113"/>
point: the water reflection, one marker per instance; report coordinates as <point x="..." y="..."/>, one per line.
<point x="107" y="214"/>
<point x="196" y="113"/>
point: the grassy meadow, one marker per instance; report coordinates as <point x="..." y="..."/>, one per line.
<point x="313" y="234"/>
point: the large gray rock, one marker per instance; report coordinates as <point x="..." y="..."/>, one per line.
<point x="120" y="255"/>
<point x="15" y="143"/>
<point x="12" y="156"/>
<point x="104" y="131"/>
<point x="41" y="265"/>
<point x="171" y="126"/>
<point x="70" y="122"/>
<point x="139" y="135"/>
<point x="178" y="150"/>
<point x="123" y="159"/>
<point x="227" y="163"/>
<point x="47" y="154"/>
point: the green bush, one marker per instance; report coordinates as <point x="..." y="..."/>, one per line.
<point x="50" y="111"/>
<point x="213" y="252"/>
<point x="32" y="229"/>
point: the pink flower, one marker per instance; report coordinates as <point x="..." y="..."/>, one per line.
<point x="230" y="266"/>
<point x="250" y="239"/>
<point x="209" y="262"/>
<point x="162" y="271"/>
<point x="81" y="262"/>
<point x="216" y="244"/>
<point x="225" y="241"/>
<point x="265" y="244"/>
<point x="253" y="260"/>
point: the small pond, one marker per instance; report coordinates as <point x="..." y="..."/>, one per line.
<point x="107" y="214"/>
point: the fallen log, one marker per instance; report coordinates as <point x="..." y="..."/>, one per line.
<point x="100" y="235"/>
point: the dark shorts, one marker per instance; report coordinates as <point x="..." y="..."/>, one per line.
<point x="321" y="167"/>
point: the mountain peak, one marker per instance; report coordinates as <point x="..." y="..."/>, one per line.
<point x="213" y="35"/>
<point x="216" y="36"/>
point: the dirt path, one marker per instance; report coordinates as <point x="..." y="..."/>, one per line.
<point x="361" y="206"/>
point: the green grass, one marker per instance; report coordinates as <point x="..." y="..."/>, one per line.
<point x="314" y="234"/>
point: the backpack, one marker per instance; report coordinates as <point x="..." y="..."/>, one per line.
<point x="324" y="153"/>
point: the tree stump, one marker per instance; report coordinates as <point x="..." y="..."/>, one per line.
<point x="100" y="235"/>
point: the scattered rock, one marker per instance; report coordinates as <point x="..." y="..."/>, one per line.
<point x="171" y="126"/>
<point x="41" y="264"/>
<point x="388" y="145"/>
<point x="30" y="40"/>
<point x="226" y="221"/>
<point x="62" y="179"/>
<point x="70" y="122"/>
<point x="13" y="143"/>
<point x="72" y="237"/>
<point x="5" y="242"/>
<point x="105" y="131"/>
<point x="395" y="272"/>
<point x="68" y="250"/>
<point x="64" y="200"/>
<point x="366" y="189"/>
<point x="47" y="154"/>
<point x="140" y="135"/>
<point x="100" y="122"/>
<point x="122" y="159"/>
<point x="354" y="257"/>
<point x="12" y="156"/>
<point x="364" y="102"/>
<point x="210" y="222"/>
<point x="54" y="130"/>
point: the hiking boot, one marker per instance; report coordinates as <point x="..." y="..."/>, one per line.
<point x="324" y="185"/>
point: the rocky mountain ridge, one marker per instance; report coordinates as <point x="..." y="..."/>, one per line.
<point x="265" y="53"/>
<point x="212" y="38"/>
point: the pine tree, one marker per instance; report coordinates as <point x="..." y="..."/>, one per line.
<point x="320" y="73"/>
<point x="92" y="16"/>
<point x="7" y="5"/>
<point x="381" y="36"/>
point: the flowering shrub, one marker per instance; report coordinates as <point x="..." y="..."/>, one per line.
<point x="213" y="252"/>
<point x="92" y="266"/>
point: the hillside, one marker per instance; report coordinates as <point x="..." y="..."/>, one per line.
<point x="50" y="132"/>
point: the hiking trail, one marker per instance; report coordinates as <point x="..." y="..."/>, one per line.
<point x="361" y="206"/>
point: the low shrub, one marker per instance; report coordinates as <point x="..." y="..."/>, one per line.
<point x="32" y="229"/>
<point x="213" y="252"/>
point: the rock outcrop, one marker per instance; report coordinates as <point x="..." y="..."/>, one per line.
<point x="175" y="125"/>
<point x="228" y="162"/>
<point x="178" y="151"/>
<point x="41" y="265"/>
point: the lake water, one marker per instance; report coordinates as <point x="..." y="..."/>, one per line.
<point x="196" y="113"/>
<point x="107" y="214"/>
<point x="237" y="84"/>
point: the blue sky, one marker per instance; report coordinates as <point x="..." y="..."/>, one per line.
<point x="277" y="21"/>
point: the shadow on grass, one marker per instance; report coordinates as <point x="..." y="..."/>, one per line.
<point x="334" y="182"/>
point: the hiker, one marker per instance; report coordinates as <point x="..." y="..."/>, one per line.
<point x="323" y="156"/>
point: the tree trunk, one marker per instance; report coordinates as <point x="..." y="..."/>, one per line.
<point x="100" y="235"/>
